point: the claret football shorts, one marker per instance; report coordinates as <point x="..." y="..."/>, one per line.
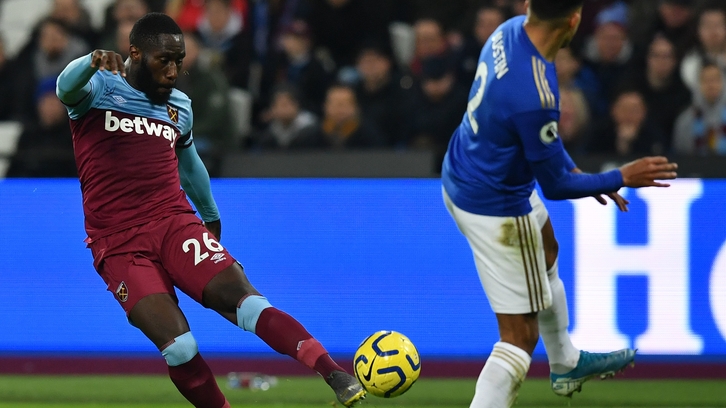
<point x="509" y="257"/>
<point x="176" y="251"/>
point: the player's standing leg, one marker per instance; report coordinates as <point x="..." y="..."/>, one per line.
<point x="508" y="363"/>
<point x="511" y="267"/>
<point x="161" y="320"/>
<point x="232" y="295"/>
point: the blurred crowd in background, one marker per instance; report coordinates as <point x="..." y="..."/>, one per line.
<point x="641" y="77"/>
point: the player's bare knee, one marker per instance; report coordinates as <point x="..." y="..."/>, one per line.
<point x="181" y="350"/>
<point x="225" y="290"/>
<point x="249" y="309"/>
<point x="551" y="254"/>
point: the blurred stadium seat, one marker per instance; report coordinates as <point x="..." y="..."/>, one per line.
<point x="9" y="135"/>
<point x="17" y="18"/>
<point x="241" y="106"/>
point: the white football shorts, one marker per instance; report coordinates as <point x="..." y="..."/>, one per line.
<point x="509" y="256"/>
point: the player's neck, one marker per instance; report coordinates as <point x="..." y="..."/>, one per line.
<point x="132" y="75"/>
<point x="546" y="39"/>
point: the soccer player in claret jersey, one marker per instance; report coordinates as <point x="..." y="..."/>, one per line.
<point x="508" y="139"/>
<point x="134" y="149"/>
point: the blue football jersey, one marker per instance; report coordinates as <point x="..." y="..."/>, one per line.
<point x="511" y="122"/>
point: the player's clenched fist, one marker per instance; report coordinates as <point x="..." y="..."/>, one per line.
<point x="644" y="172"/>
<point x="109" y="61"/>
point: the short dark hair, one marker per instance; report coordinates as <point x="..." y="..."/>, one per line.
<point x="554" y="9"/>
<point x="146" y="31"/>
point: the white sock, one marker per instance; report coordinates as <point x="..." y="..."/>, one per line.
<point x="501" y="377"/>
<point x="553" y="323"/>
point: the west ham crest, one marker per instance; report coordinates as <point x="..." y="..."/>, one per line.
<point x="122" y="292"/>
<point x="173" y="113"/>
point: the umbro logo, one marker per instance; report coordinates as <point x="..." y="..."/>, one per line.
<point x="119" y="99"/>
<point x="218" y="257"/>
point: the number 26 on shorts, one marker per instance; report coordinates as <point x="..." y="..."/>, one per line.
<point x="199" y="256"/>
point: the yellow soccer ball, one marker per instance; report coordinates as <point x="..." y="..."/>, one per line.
<point x="387" y="364"/>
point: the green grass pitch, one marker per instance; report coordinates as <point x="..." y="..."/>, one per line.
<point x="311" y="392"/>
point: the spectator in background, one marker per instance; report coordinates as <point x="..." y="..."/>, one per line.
<point x="384" y="95"/>
<point x="430" y="42"/>
<point x="588" y="21"/>
<point x="121" y="12"/>
<point x="188" y="13"/>
<point x="343" y="126"/>
<point x="571" y="73"/>
<point x="45" y="148"/>
<point x="7" y="86"/>
<point x="488" y="18"/>
<point x="53" y="49"/>
<point x="289" y="126"/>
<point x="340" y="26"/>
<point x="660" y="84"/>
<point x="701" y="129"/>
<point x="76" y="18"/>
<point x="120" y="42"/>
<point x="711" y="46"/>
<point x="437" y="107"/>
<point x="267" y="20"/>
<point x="297" y="64"/>
<point x="207" y="87"/>
<point x="608" y="52"/>
<point x="627" y="132"/>
<point x="574" y="120"/>
<point x="672" y="18"/>
<point x="221" y="29"/>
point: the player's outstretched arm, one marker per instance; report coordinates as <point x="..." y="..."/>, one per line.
<point x="196" y="184"/>
<point x="73" y="83"/>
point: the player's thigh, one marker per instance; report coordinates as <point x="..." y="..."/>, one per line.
<point x="193" y="256"/>
<point x="510" y="261"/>
<point x="133" y="276"/>
<point x="158" y="316"/>
<point x="225" y="292"/>
<point x="549" y="242"/>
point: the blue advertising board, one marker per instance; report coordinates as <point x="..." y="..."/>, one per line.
<point x="350" y="257"/>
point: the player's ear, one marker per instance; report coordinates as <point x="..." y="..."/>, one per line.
<point x="134" y="53"/>
<point x="575" y="19"/>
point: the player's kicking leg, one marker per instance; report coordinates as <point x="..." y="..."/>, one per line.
<point x="161" y="320"/>
<point x="231" y="295"/>
<point x="569" y="367"/>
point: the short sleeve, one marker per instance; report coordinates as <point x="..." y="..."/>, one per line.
<point x="187" y="138"/>
<point x="187" y="128"/>
<point x="80" y="108"/>
<point x="539" y="133"/>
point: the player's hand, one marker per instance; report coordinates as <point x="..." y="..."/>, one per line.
<point x="621" y="202"/>
<point x="108" y="61"/>
<point x="644" y="172"/>
<point x="215" y="227"/>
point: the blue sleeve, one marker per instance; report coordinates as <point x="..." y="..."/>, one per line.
<point x="550" y="162"/>
<point x="569" y="163"/>
<point x="559" y="183"/>
<point x="195" y="182"/>
<point x="538" y="133"/>
<point x="78" y="85"/>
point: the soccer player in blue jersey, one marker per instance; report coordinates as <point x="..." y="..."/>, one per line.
<point x="508" y="139"/>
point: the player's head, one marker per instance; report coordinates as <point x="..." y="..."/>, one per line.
<point x="156" y="53"/>
<point x="563" y="14"/>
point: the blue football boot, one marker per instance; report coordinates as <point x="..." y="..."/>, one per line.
<point x="591" y="365"/>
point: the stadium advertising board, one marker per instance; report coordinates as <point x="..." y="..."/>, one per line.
<point x="350" y="257"/>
